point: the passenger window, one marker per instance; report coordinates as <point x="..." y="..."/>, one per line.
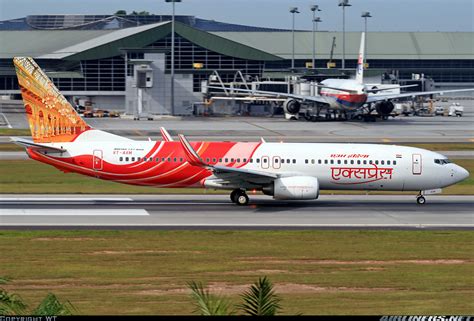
<point x="345" y="162"/>
<point x="163" y="159"/>
<point x="370" y="161"/>
<point x="382" y="162"/>
<point x="294" y="161"/>
<point x="207" y="160"/>
<point x="312" y="161"/>
<point x="265" y="160"/>
<point x="306" y="161"/>
<point x="133" y="159"/>
<point x="283" y="161"/>
<point x="276" y="160"/>
<point x="376" y="162"/>
<point x="394" y="162"/>
<point x="226" y="160"/>
<point x="231" y="160"/>
<point x="220" y="160"/>
<point x="169" y="159"/>
<point x="319" y="161"/>
<point x="339" y="161"/>
<point x="358" y="162"/>
<point x="181" y="159"/>
<point x="325" y="161"/>
<point x="121" y="159"/>
<point x="157" y="159"/>
<point x="238" y="160"/>
<point x="332" y="161"/>
<point x="245" y="160"/>
<point x="251" y="160"/>
<point x="258" y="160"/>
<point x="126" y="159"/>
<point x="144" y="159"/>
<point x="352" y="161"/>
<point x="365" y="162"/>
<point x="213" y="160"/>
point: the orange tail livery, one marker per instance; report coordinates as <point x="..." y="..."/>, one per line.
<point x="50" y="116"/>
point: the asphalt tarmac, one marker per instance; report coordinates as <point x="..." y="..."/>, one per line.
<point x="217" y="212"/>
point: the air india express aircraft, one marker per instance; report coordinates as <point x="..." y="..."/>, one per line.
<point x="286" y="171"/>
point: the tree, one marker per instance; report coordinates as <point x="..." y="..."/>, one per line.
<point x="120" y="13"/>
<point x="13" y="304"/>
<point x="208" y="304"/>
<point x="260" y="299"/>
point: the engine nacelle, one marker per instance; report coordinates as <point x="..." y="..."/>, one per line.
<point x="294" y="188"/>
<point x="384" y="108"/>
<point x="291" y="106"/>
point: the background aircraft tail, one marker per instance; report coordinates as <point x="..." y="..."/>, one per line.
<point x="50" y="116"/>
<point x="360" y="61"/>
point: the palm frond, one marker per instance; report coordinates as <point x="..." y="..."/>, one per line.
<point x="11" y="304"/>
<point x="208" y="304"/>
<point x="52" y="306"/>
<point x="260" y="299"/>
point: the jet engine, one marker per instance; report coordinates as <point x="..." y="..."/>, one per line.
<point x="291" y="106"/>
<point x="293" y="188"/>
<point x="384" y="108"/>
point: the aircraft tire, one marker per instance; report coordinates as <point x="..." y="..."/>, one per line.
<point x="421" y="200"/>
<point x="242" y="199"/>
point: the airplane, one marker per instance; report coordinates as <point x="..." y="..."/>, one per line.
<point x="346" y="95"/>
<point x="286" y="171"/>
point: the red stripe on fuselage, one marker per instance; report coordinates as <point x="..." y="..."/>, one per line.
<point x="350" y="98"/>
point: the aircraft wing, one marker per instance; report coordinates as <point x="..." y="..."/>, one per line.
<point x="230" y="174"/>
<point x="36" y="146"/>
<point x="317" y="99"/>
<point x="375" y="98"/>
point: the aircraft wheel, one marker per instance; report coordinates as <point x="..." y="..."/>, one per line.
<point x="233" y="195"/>
<point x="421" y="200"/>
<point x="242" y="199"/>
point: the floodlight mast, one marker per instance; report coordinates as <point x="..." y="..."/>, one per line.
<point x="315" y="8"/>
<point x="344" y="4"/>
<point x="365" y="15"/>
<point x="172" y="56"/>
<point x="293" y="10"/>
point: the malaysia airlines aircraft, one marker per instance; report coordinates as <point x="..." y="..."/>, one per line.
<point x="286" y="171"/>
<point x="347" y="95"/>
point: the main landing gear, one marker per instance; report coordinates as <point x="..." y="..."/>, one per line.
<point x="420" y="199"/>
<point x="239" y="197"/>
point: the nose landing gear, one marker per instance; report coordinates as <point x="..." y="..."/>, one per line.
<point x="239" y="197"/>
<point x="420" y="199"/>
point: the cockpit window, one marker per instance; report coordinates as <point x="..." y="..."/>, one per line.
<point x="442" y="161"/>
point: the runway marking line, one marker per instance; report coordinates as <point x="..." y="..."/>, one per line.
<point x="73" y="212"/>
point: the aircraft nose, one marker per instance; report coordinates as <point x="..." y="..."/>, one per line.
<point x="462" y="173"/>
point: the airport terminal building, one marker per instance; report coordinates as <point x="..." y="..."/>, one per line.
<point x="113" y="61"/>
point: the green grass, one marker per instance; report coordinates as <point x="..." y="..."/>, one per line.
<point x="14" y="132"/>
<point x="27" y="176"/>
<point x="9" y="147"/>
<point x="145" y="272"/>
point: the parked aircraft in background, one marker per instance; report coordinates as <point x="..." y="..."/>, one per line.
<point x="286" y="171"/>
<point x="346" y="95"/>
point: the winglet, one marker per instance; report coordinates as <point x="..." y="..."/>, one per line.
<point x="191" y="155"/>
<point x="263" y="141"/>
<point x="166" y="136"/>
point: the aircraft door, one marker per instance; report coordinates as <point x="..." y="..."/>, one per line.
<point x="97" y="159"/>
<point x="416" y="164"/>
<point x="276" y="161"/>
<point x="265" y="162"/>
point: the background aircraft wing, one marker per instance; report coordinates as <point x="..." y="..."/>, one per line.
<point x="375" y="98"/>
<point x="317" y="99"/>
<point x="241" y="176"/>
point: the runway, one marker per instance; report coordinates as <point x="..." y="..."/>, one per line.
<point x="217" y="212"/>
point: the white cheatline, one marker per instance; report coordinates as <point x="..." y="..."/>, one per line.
<point x="63" y="199"/>
<point x="73" y="212"/>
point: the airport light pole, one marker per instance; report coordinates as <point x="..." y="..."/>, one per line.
<point x="344" y="4"/>
<point x="293" y="10"/>
<point x="365" y="15"/>
<point x="315" y="8"/>
<point x="172" y="56"/>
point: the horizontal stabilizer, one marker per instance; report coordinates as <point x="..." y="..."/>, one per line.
<point x="36" y="146"/>
<point x="376" y="90"/>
